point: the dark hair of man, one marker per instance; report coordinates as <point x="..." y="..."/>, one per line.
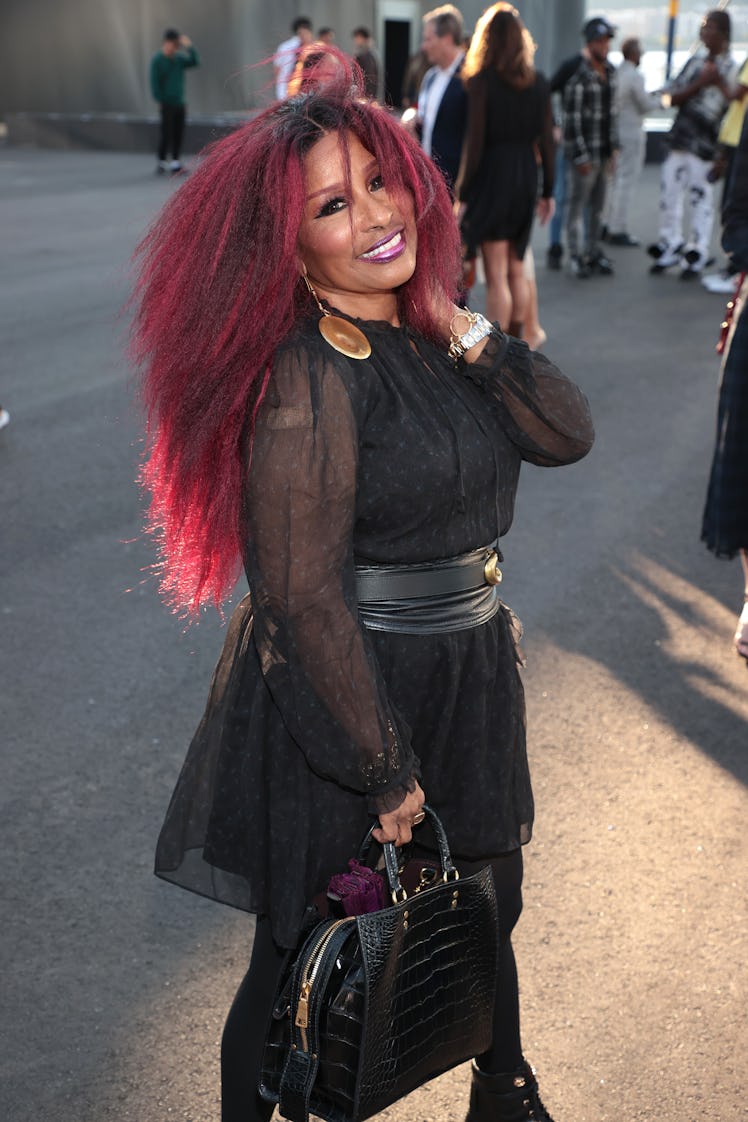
<point x="447" y="20"/>
<point x="324" y="31"/>
<point x="171" y="35"/>
<point x="721" y="21"/>
<point x="361" y="33"/>
<point x="301" y="22"/>
<point x="630" y="48"/>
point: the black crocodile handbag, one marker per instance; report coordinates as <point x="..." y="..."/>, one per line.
<point x="373" y="1006"/>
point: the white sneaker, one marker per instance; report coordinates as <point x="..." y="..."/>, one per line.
<point x="4" y="418"/>
<point x="720" y="282"/>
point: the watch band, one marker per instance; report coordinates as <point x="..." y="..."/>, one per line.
<point x="478" y="329"/>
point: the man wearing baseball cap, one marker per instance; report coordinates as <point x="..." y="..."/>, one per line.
<point x="598" y="28"/>
<point x="590" y="142"/>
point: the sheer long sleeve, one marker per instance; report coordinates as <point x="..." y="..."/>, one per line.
<point x="546" y="143"/>
<point x="315" y="655"/>
<point x="542" y="412"/>
<point x="475" y="135"/>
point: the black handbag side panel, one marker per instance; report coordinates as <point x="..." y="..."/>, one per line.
<point x="431" y="979"/>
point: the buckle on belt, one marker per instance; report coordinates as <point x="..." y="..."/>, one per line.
<point x="491" y="571"/>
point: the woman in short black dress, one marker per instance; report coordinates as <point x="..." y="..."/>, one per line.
<point x="509" y="132"/>
<point x="272" y="444"/>
<point x="725" y="525"/>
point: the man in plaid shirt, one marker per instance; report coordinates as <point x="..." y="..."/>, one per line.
<point x="590" y="143"/>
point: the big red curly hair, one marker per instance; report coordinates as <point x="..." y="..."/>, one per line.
<point x="219" y="288"/>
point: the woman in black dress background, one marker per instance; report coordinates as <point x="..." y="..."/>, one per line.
<point x="509" y="133"/>
<point x="725" y="525"/>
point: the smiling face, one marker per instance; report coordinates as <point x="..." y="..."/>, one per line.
<point x="358" y="243"/>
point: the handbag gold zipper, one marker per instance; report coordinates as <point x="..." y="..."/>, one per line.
<point x="310" y="973"/>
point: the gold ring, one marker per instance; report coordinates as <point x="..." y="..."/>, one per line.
<point x="418" y="818"/>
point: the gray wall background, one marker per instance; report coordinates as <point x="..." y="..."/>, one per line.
<point x="92" y="56"/>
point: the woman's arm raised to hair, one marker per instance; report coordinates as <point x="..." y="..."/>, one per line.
<point x="542" y="412"/>
<point x="316" y="658"/>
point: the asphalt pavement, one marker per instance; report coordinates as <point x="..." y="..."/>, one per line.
<point x="633" y="944"/>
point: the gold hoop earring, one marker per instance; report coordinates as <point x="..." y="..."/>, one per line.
<point x="342" y="336"/>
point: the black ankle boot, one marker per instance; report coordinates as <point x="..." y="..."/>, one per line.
<point x="511" y="1096"/>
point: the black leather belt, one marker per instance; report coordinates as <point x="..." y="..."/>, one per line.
<point x="450" y="594"/>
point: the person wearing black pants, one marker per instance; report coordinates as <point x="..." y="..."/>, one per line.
<point x="167" y="86"/>
<point x="172" y="132"/>
<point x="246" y="1024"/>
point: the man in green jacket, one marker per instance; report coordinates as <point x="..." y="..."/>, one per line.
<point x="167" y="86"/>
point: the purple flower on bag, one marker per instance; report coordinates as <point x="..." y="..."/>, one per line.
<point x="359" y="891"/>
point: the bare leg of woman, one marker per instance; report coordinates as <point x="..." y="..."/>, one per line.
<point x="534" y="333"/>
<point x="498" y="293"/>
<point x="518" y="289"/>
<point x="741" y="635"/>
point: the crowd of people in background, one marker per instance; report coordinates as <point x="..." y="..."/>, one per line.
<point x="511" y="144"/>
<point x="579" y="151"/>
<point x="588" y="143"/>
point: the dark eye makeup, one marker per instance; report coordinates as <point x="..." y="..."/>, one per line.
<point x="332" y="206"/>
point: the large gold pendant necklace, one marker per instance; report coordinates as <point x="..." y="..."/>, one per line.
<point x="342" y="336"/>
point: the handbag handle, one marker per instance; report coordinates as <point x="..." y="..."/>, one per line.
<point x="392" y="865"/>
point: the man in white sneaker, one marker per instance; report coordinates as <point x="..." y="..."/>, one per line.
<point x="701" y="94"/>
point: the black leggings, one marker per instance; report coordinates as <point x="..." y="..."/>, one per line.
<point x="244" y="1032"/>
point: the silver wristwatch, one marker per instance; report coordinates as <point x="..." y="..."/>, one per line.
<point x="478" y="328"/>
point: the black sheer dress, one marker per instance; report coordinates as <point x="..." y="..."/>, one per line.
<point x="725" y="522"/>
<point x="508" y="132"/>
<point x="314" y="723"/>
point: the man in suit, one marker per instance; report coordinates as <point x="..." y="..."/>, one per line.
<point x="442" y="100"/>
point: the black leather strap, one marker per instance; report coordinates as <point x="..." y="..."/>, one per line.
<point x="425" y="599"/>
<point x="296" y="1086"/>
<point x="301" y="1068"/>
<point x="391" y="861"/>
<point x="422" y="581"/>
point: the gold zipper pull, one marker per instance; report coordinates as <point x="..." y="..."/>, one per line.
<point x="302" y="1009"/>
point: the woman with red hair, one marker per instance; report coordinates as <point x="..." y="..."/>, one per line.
<point x="322" y="412"/>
